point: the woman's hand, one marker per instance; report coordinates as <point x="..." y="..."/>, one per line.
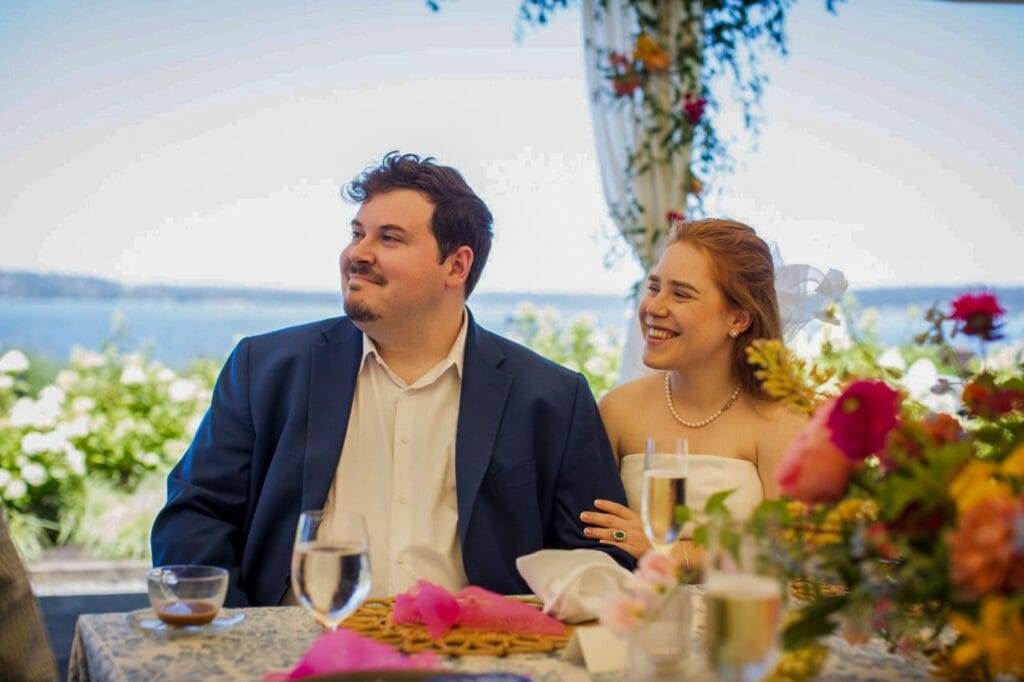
<point x="615" y="520"/>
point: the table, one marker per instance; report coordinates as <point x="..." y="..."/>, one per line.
<point x="107" y="648"/>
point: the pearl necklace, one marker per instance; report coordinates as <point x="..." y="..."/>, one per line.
<point x="702" y="422"/>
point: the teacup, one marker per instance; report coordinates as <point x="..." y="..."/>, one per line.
<point x="187" y="595"/>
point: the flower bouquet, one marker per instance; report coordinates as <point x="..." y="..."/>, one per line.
<point x="897" y="522"/>
<point x="903" y="523"/>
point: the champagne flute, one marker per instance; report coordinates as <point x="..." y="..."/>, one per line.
<point x="662" y="505"/>
<point x="744" y="605"/>
<point x="331" y="565"/>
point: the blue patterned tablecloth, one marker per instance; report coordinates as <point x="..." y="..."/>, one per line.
<point x="108" y="648"/>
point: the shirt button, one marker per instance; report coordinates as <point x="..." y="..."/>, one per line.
<point x="401" y="560"/>
<point x="405" y="440"/>
<point x="402" y="499"/>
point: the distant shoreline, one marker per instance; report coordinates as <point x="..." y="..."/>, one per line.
<point x="28" y="284"/>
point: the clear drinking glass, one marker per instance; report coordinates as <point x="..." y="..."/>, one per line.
<point x="666" y="467"/>
<point x="743" y="604"/>
<point x="331" y="565"/>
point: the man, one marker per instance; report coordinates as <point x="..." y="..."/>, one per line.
<point x="24" y="647"/>
<point x="462" y="449"/>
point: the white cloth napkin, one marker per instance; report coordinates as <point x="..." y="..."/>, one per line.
<point x="574" y="584"/>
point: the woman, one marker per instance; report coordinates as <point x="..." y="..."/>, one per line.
<point x="709" y="296"/>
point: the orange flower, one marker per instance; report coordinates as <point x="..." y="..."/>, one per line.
<point x="650" y="54"/>
<point x="985" y="556"/>
<point x="994" y="639"/>
<point x="1013" y="465"/>
<point x="976" y="482"/>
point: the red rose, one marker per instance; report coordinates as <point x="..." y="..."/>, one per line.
<point x="984" y="399"/>
<point x="673" y="216"/>
<point x="862" y="416"/>
<point x="978" y="315"/>
<point x="626" y="84"/>
<point x="693" y="107"/>
<point x="813" y="468"/>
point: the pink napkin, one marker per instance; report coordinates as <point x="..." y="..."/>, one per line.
<point x="346" y="651"/>
<point x="471" y="607"/>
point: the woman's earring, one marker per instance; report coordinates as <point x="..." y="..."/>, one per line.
<point x="733" y="333"/>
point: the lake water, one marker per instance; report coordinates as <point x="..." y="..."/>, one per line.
<point x="175" y="332"/>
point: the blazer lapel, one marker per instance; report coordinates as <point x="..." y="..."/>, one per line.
<point x="485" y="391"/>
<point x="334" y="366"/>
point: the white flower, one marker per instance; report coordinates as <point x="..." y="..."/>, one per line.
<point x="150" y="458"/>
<point x="166" y="375"/>
<point x="33" y="443"/>
<point x="52" y="395"/>
<point x="66" y="378"/>
<point x="123" y="427"/>
<point x="34" y="474"/>
<point x="893" y="359"/>
<point x="77" y="427"/>
<point x="5" y="476"/>
<point x="28" y="412"/>
<point x="15" y="489"/>
<point x="132" y="375"/>
<point x="6" y="382"/>
<point x="75" y="459"/>
<point x="86" y="359"/>
<point x="183" y="390"/>
<point x="194" y="424"/>
<point x="82" y="404"/>
<point x="13" y="362"/>
<point x="133" y="359"/>
<point x="173" y="448"/>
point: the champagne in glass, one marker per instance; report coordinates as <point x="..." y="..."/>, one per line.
<point x="744" y="613"/>
<point x="744" y="605"/>
<point x="331" y="565"/>
<point x="664" y="491"/>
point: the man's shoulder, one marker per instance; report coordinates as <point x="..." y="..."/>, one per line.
<point x="520" y="360"/>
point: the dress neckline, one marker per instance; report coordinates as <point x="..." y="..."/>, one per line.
<point x="696" y="457"/>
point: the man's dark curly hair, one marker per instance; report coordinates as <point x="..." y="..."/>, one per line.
<point x="460" y="217"/>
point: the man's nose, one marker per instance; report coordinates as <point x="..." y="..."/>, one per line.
<point x="361" y="251"/>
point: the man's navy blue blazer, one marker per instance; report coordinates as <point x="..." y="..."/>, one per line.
<point x="531" y="453"/>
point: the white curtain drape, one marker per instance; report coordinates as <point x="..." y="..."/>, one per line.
<point x="624" y="125"/>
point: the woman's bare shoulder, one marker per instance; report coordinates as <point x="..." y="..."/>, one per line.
<point x="778" y="420"/>
<point x="628" y="393"/>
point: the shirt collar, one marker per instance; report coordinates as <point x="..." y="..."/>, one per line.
<point x="455" y="356"/>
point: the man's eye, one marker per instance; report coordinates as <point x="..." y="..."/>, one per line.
<point x="356" y="235"/>
<point x="653" y="288"/>
<point x="390" y="239"/>
<point x="682" y="295"/>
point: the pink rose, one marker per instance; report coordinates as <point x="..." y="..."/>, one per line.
<point x="658" y="571"/>
<point x="622" y="614"/>
<point x="813" y="468"/>
<point x="862" y="416"/>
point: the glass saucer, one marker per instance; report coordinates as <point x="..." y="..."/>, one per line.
<point x="146" y="619"/>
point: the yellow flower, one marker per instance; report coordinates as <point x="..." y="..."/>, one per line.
<point x="1013" y="465"/>
<point x="996" y="637"/>
<point x="650" y="53"/>
<point x="976" y="482"/>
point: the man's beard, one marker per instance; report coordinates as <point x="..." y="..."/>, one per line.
<point x="359" y="312"/>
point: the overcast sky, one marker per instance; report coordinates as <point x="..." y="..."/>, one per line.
<point x="207" y="142"/>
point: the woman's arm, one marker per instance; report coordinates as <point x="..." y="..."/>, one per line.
<point x="780" y="425"/>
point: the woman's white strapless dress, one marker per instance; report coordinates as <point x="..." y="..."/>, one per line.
<point x="708" y="474"/>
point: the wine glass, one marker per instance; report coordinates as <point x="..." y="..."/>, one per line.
<point x="331" y="565"/>
<point x="663" y="501"/>
<point x="743" y="604"/>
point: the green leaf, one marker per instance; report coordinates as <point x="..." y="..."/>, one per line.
<point x="813" y="623"/>
<point x="682" y="514"/>
<point x="716" y="503"/>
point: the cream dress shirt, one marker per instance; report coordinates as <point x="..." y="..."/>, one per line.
<point x="397" y="468"/>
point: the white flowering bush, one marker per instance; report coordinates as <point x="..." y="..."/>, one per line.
<point x="108" y="417"/>
<point x="578" y="345"/>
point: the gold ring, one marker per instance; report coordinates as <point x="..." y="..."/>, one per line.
<point x="619" y="535"/>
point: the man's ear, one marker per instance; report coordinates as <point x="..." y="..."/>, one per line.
<point x="459" y="264"/>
